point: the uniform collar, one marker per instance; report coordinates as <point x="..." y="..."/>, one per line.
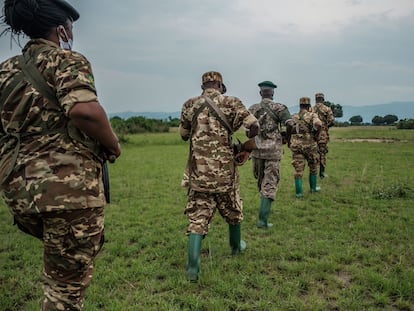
<point x="33" y="43"/>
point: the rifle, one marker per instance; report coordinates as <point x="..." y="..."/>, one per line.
<point x="105" y="180"/>
<point x="105" y="177"/>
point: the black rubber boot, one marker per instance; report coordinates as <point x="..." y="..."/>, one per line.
<point x="322" y="171"/>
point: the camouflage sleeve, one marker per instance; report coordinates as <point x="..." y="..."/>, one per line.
<point x="74" y="80"/>
<point x="243" y="115"/>
<point x="186" y="118"/>
<point x="316" y="122"/>
<point x="285" y="115"/>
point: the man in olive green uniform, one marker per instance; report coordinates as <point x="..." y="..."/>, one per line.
<point x="52" y="147"/>
<point x="208" y="121"/>
<point x="273" y="118"/>
<point x="302" y="142"/>
<point x="325" y="114"/>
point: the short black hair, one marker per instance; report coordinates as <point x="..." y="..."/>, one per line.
<point x="36" y="18"/>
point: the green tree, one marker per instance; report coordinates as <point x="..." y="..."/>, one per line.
<point x="120" y="127"/>
<point x="390" y="119"/>
<point x="356" y="120"/>
<point x="336" y="109"/>
<point x="173" y="122"/>
<point x="405" y="124"/>
<point x="377" y="120"/>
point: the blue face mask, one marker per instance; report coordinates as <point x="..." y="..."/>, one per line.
<point x="67" y="45"/>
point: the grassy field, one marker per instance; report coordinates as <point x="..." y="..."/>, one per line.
<point x="350" y="247"/>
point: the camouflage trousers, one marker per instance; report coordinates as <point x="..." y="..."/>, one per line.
<point x="201" y="207"/>
<point x="301" y="154"/>
<point x="323" y="150"/>
<point x="267" y="173"/>
<point x="71" y="241"/>
<point x="323" y="146"/>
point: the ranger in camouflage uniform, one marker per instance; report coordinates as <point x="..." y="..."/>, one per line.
<point x="325" y="114"/>
<point x="213" y="180"/>
<point x="52" y="146"/>
<point x="303" y="130"/>
<point x="273" y="118"/>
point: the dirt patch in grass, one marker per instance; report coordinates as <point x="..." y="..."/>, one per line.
<point x="371" y="140"/>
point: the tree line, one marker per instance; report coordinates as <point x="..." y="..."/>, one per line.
<point x="140" y="124"/>
<point x="389" y="119"/>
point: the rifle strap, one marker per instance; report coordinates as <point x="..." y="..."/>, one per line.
<point x="272" y="114"/>
<point x="224" y="122"/>
<point x="10" y="88"/>
<point x="30" y="71"/>
<point x="219" y="114"/>
<point x="307" y="124"/>
<point x="220" y="117"/>
<point x="34" y="76"/>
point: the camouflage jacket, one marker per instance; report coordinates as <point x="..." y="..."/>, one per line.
<point x="34" y="133"/>
<point x="211" y="160"/>
<point x="269" y="139"/>
<point x="305" y="126"/>
<point x="325" y="114"/>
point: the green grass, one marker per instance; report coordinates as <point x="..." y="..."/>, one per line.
<point x="349" y="247"/>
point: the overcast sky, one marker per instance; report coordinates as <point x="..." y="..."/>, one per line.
<point x="148" y="55"/>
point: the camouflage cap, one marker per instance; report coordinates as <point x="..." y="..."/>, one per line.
<point x="267" y="85"/>
<point x="319" y="95"/>
<point x="304" y="101"/>
<point x="212" y="76"/>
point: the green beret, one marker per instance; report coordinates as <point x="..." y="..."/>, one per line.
<point x="267" y="85"/>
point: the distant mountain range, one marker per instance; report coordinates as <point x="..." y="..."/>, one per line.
<point x="403" y="110"/>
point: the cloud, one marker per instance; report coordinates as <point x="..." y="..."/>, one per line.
<point x="149" y="55"/>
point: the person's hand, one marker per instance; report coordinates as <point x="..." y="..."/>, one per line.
<point x="241" y="157"/>
<point x="110" y="156"/>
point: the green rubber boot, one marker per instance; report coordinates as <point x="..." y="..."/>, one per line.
<point x="264" y="212"/>
<point x="298" y="188"/>
<point x="193" y="261"/>
<point x="312" y="183"/>
<point x="236" y="243"/>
